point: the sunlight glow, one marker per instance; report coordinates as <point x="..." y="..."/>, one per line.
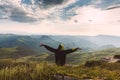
<point x="94" y="15"/>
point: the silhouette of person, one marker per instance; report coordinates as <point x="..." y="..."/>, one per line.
<point x="60" y="53"/>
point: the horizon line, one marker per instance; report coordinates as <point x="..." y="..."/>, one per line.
<point x="56" y="34"/>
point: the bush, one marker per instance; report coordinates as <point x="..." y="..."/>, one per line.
<point x="93" y="63"/>
<point x="117" y="56"/>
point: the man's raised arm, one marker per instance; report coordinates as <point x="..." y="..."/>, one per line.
<point x="48" y="47"/>
<point x="71" y="50"/>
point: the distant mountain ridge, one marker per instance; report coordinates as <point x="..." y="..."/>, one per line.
<point x="88" y="43"/>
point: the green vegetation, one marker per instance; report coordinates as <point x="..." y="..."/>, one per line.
<point x="21" y="63"/>
<point x="27" y="54"/>
<point x="15" y="52"/>
<point x="74" y="58"/>
<point x="46" y="71"/>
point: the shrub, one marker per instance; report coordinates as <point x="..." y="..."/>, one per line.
<point x="117" y="56"/>
<point x="93" y="63"/>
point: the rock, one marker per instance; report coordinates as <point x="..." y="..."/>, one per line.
<point x="69" y="78"/>
<point x="61" y="77"/>
<point x="58" y="77"/>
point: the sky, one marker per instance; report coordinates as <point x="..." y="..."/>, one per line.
<point x="60" y="17"/>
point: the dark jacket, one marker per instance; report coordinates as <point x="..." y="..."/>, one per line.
<point x="60" y="53"/>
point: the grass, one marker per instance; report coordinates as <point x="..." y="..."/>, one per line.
<point x="32" y="67"/>
<point x="46" y="71"/>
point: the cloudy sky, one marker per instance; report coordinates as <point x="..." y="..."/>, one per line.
<point x="60" y="17"/>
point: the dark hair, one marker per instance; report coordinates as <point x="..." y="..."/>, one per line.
<point x="61" y="47"/>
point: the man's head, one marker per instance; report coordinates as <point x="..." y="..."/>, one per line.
<point x="61" y="47"/>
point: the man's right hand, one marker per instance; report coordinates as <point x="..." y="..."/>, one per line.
<point x="42" y="44"/>
<point x="79" y="48"/>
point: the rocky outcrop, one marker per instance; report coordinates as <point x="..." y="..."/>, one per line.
<point x="62" y="77"/>
<point x="110" y="59"/>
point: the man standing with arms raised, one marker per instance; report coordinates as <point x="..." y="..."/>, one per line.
<point x="60" y="53"/>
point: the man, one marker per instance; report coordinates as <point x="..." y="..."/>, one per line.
<point x="60" y="53"/>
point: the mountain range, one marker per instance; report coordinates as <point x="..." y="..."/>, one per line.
<point x="87" y="43"/>
<point x="26" y="47"/>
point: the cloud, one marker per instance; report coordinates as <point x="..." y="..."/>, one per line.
<point x="19" y="15"/>
<point x="29" y="2"/>
<point x="69" y="11"/>
<point x="113" y="7"/>
<point x="14" y="12"/>
<point x="75" y="17"/>
<point x="47" y="3"/>
<point x="105" y="3"/>
<point x="28" y="11"/>
<point x="102" y="22"/>
<point x="118" y="20"/>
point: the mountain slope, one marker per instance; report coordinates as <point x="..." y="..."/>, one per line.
<point x="106" y="40"/>
<point x="87" y="43"/>
<point x="76" y="57"/>
<point x="16" y="52"/>
<point x="27" y="41"/>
